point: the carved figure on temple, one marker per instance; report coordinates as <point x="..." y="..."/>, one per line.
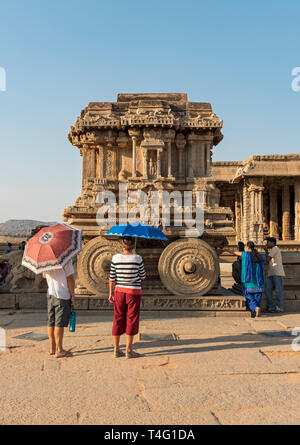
<point x="213" y="195"/>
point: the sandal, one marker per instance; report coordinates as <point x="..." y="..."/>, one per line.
<point x="133" y="354"/>
<point x="63" y="354"/>
<point x="277" y="309"/>
<point x="119" y="353"/>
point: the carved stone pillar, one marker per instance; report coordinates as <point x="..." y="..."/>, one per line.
<point x="111" y="154"/>
<point x="238" y="216"/>
<point x="246" y="213"/>
<point x="134" y="133"/>
<point x="180" y="144"/>
<point x="145" y="163"/>
<point x="208" y="158"/>
<point x="158" y="164"/>
<point x="169" y="137"/>
<point x="133" y="156"/>
<point x="101" y="162"/>
<point x="286" y="217"/>
<point x="256" y="210"/>
<point x="181" y="163"/>
<point x="83" y="152"/>
<point x="89" y="161"/>
<point x="203" y="158"/>
<point x="197" y="163"/>
<point x="297" y="209"/>
<point x="273" y="212"/>
<point x="122" y="142"/>
<point x="92" y="162"/>
<point x="192" y="158"/>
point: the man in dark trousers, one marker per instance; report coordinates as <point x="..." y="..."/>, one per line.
<point x="275" y="275"/>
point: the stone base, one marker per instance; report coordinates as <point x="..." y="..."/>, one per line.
<point x="33" y="301"/>
<point x="149" y="303"/>
<point x="230" y="304"/>
<point x="7" y="301"/>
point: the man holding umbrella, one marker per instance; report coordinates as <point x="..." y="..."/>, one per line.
<point x="50" y="251"/>
<point x="61" y="297"/>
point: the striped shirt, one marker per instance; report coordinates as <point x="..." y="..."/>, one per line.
<point x="127" y="271"/>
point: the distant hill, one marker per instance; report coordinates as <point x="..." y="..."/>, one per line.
<point x="21" y="227"/>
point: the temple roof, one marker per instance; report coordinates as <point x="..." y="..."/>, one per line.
<point x="279" y="165"/>
<point x="167" y="110"/>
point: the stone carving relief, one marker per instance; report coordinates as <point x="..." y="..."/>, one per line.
<point x="20" y="277"/>
<point x="241" y="171"/>
<point x="213" y="195"/>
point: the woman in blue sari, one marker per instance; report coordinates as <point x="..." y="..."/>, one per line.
<point x="252" y="277"/>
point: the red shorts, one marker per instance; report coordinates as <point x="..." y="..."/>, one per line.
<point x="126" y="313"/>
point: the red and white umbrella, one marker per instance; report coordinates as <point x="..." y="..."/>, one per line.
<point x="52" y="248"/>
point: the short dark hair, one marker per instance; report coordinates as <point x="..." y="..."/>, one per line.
<point x="272" y="240"/>
<point x="129" y="241"/>
<point x="241" y="246"/>
<point x="9" y="244"/>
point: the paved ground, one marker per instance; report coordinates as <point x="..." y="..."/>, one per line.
<point x="217" y="370"/>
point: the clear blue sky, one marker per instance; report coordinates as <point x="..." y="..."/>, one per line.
<point x="60" y="55"/>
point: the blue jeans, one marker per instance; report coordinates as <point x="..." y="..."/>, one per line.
<point x="253" y="299"/>
<point x="275" y="282"/>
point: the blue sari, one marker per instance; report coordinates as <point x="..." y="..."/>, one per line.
<point x="253" y="279"/>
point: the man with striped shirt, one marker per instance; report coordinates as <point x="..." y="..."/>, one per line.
<point x="126" y="274"/>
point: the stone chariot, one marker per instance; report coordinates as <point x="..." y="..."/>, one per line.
<point x="143" y="144"/>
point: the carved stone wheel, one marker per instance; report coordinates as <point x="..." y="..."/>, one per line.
<point x="94" y="264"/>
<point x="188" y="267"/>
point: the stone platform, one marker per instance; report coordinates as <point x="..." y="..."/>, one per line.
<point x="208" y="371"/>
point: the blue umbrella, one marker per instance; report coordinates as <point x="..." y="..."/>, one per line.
<point x="136" y="230"/>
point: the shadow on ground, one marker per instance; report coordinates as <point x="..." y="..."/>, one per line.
<point x="243" y="341"/>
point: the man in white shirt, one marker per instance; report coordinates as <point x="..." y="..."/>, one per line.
<point x="60" y="298"/>
<point x="275" y="275"/>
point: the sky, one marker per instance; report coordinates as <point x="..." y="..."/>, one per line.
<point x="60" y="55"/>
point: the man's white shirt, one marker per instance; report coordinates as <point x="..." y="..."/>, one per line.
<point x="57" y="281"/>
<point x="275" y="266"/>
